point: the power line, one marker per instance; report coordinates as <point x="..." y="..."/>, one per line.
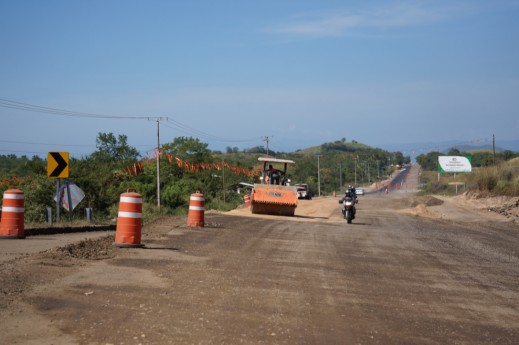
<point x="5" y="103"/>
<point x="278" y="147"/>
<point x="45" y="144"/>
<point x="24" y="152"/>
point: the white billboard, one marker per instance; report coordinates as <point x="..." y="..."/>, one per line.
<point x="454" y="164"/>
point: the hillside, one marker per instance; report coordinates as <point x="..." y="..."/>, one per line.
<point x="336" y="146"/>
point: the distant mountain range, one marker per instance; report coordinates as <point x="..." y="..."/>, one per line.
<point x="416" y="149"/>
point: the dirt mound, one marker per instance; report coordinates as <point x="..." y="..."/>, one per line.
<point x="426" y="200"/>
<point x="89" y="249"/>
<point x="419" y="206"/>
<point x="17" y="277"/>
<point x="463" y="206"/>
<point x="508" y="209"/>
<point x="502" y="205"/>
<point x="421" y="210"/>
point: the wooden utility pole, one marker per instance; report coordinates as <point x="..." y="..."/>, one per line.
<point x="266" y="139"/>
<point x="318" y="176"/>
<point x="158" y="119"/>
<point x="158" y="163"/>
<point x="494" y="149"/>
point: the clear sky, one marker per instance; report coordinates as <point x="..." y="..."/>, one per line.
<point x="231" y="73"/>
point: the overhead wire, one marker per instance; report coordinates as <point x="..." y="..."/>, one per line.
<point x="24" y="152"/>
<point x="277" y="145"/>
<point x="5" y="103"/>
<point x="45" y="144"/>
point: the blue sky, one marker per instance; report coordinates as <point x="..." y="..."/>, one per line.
<point x="231" y="73"/>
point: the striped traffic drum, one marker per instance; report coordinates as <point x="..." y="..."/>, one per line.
<point x="13" y="208"/>
<point x="195" y="216"/>
<point x="246" y="200"/>
<point x="129" y="220"/>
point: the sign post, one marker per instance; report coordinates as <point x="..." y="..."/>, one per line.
<point x="57" y="167"/>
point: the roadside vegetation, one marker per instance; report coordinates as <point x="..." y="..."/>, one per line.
<point x="186" y="166"/>
<point x="491" y="175"/>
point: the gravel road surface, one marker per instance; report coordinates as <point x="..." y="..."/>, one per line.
<point x="409" y="270"/>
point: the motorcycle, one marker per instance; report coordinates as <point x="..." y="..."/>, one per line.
<point x="348" y="208"/>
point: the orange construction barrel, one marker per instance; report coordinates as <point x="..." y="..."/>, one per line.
<point x="129" y="220"/>
<point x="246" y="199"/>
<point x="13" y="207"/>
<point x="195" y="216"/>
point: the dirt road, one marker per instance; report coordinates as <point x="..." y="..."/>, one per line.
<point x="451" y="277"/>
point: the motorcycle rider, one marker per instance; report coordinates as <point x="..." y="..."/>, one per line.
<point x="350" y="193"/>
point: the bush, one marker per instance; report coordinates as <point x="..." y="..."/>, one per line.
<point x="38" y="193"/>
<point x="502" y="180"/>
<point x="486" y="179"/>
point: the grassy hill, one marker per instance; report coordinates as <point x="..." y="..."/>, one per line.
<point x="336" y="146"/>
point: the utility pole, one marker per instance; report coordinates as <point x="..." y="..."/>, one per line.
<point x="318" y="176"/>
<point x="494" y="149"/>
<point x="266" y="139"/>
<point x="223" y="181"/>
<point x="158" y="119"/>
<point x="158" y="163"/>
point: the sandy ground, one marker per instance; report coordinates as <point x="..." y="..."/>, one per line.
<point x="409" y="270"/>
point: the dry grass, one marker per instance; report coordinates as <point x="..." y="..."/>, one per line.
<point x="499" y="180"/>
<point x="502" y="180"/>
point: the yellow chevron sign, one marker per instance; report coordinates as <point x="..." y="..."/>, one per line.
<point x="57" y="164"/>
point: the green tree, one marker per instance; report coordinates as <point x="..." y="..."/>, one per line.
<point x="101" y="175"/>
<point x="177" y="182"/>
<point x="111" y="148"/>
<point x="428" y="161"/>
<point x="191" y="149"/>
<point x="454" y="152"/>
<point x="507" y="155"/>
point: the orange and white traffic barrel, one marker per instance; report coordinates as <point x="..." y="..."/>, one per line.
<point x="195" y="216"/>
<point x="129" y="220"/>
<point x="246" y="199"/>
<point x="13" y="208"/>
